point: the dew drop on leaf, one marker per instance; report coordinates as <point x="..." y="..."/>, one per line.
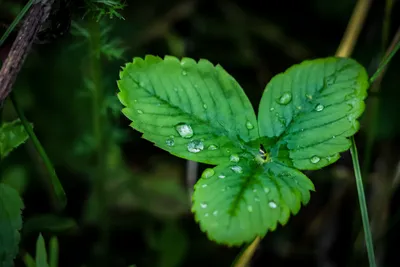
<point x="333" y="137"/>
<point x="285" y="98"/>
<point x="206" y="215"/>
<point x="315" y="159"/>
<point x="237" y="169"/>
<point x="184" y="73"/>
<point x="256" y="199"/>
<point x="212" y="147"/>
<point x="272" y="205"/>
<point x="184" y="130"/>
<point x="204" y="185"/>
<point x="309" y="97"/>
<point x="234" y="158"/>
<point x="142" y="84"/>
<point x="266" y="190"/>
<point x="140" y="111"/>
<point x="250" y="208"/>
<point x="249" y="125"/>
<point x="271" y="109"/>
<point x="195" y="146"/>
<point x="254" y="190"/>
<point x="215" y="213"/>
<point x="203" y="205"/>
<point x="175" y="89"/>
<point x="221" y="176"/>
<point x="319" y="107"/>
<point x="207" y="173"/>
<point x="170" y="141"/>
<point x="204" y="106"/>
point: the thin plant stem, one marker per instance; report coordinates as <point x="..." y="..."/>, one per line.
<point x="245" y="256"/>
<point x="353" y="28"/>
<point x="58" y="189"/>
<point x="345" y="50"/>
<point x="16" y="21"/>
<point x="386" y="61"/>
<point x="98" y="133"/>
<point x="363" y="204"/>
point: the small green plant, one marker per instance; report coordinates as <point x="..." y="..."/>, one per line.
<point x="197" y="111"/>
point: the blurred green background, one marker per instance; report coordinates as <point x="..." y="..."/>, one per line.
<point x="128" y="201"/>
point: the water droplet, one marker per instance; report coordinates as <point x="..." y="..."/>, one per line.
<point x="315" y="159"/>
<point x="175" y="89"/>
<point x="184" y="130"/>
<point x="249" y="125"/>
<point x="204" y="185"/>
<point x="221" y="176"/>
<point x="271" y="109"/>
<point x="256" y="199"/>
<point x="250" y="208"/>
<point x="302" y="129"/>
<point x="135" y="100"/>
<point x="299" y="107"/>
<point x="215" y="213"/>
<point x="254" y="190"/>
<point x="195" y="146"/>
<point x="212" y="147"/>
<point x="203" y="205"/>
<point x="140" y="111"/>
<point x="309" y="96"/>
<point x="319" y="107"/>
<point x="272" y="205"/>
<point x="285" y="98"/>
<point x="234" y="158"/>
<point x="333" y="137"/>
<point x="142" y="84"/>
<point x="266" y="190"/>
<point x="207" y="173"/>
<point x="170" y="141"/>
<point x="237" y="169"/>
<point x="184" y="73"/>
<point x="205" y="106"/>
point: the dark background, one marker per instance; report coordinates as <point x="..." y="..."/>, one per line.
<point x="141" y="196"/>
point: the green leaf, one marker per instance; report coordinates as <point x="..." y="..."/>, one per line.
<point x="312" y="109"/>
<point x="235" y="202"/>
<point x="186" y="107"/>
<point x="12" y="134"/>
<point x="54" y="251"/>
<point x="305" y="118"/>
<point x="41" y="252"/>
<point x="10" y="223"/>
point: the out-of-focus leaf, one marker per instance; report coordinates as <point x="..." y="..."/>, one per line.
<point x="12" y="134"/>
<point x="49" y="223"/>
<point x="10" y="224"/>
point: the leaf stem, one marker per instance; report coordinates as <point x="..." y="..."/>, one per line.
<point x="345" y="49"/>
<point x="363" y="204"/>
<point x="16" y="21"/>
<point x="58" y="189"/>
<point x="247" y="253"/>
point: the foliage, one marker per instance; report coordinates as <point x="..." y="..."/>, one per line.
<point x="10" y="224"/>
<point x="197" y="111"/>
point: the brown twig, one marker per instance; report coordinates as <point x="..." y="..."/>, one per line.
<point x="20" y="48"/>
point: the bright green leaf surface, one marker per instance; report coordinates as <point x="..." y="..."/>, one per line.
<point x="236" y="202"/>
<point x="12" y="134"/>
<point x="10" y="223"/>
<point x="198" y="112"/>
<point x="313" y="108"/>
<point x="194" y="110"/>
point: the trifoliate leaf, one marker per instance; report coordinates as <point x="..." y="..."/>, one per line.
<point x="198" y="112"/>
<point x="194" y="110"/>
<point x="10" y="224"/>
<point x="312" y="109"/>
<point x="12" y="134"/>
<point x="238" y="201"/>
